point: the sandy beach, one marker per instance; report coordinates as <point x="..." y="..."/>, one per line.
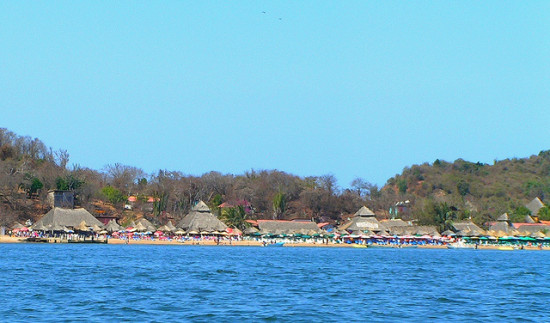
<point x="251" y="243"/>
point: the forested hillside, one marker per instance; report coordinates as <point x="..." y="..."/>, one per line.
<point x="437" y="192"/>
<point x="476" y="190"/>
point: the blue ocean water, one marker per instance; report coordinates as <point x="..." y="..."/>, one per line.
<point x="96" y="283"/>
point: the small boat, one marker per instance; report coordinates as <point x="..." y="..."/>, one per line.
<point x="277" y="244"/>
<point x="506" y="248"/>
<point x="355" y="245"/>
<point x="460" y="245"/>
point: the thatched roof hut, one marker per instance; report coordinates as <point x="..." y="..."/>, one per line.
<point x="534" y="206"/>
<point x="503" y="218"/>
<point x="59" y="217"/>
<point x="467" y="228"/>
<point x="200" y="219"/>
<point x="140" y="227"/>
<point x="362" y="223"/>
<point x="415" y="230"/>
<point x="502" y="226"/>
<point x="279" y="227"/>
<point x="527" y="229"/>
<point x="250" y="230"/>
<point x="148" y="225"/>
<point x="364" y="211"/>
<point x="112" y="226"/>
<point x="17" y="225"/>
<point x="171" y="226"/>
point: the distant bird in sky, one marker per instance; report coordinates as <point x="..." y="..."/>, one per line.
<point x="263" y="11"/>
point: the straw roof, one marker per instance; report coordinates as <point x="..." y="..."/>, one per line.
<point x="504" y="217"/>
<point x="112" y="226"/>
<point x="534" y="206"/>
<point x="17" y="225"/>
<point x="528" y="229"/>
<point x="148" y="225"/>
<point x="448" y="233"/>
<point x="82" y="226"/>
<point x="200" y="219"/>
<point x="59" y="217"/>
<point x="362" y="223"/>
<point x="529" y="219"/>
<point x="468" y="227"/>
<point x="288" y="227"/>
<point x="171" y="226"/>
<point x="364" y="211"/>
<point x="96" y="228"/>
<point x="39" y="227"/>
<point x="394" y="223"/>
<point x="140" y="227"/>
<point x="501" y="226"/>
<point x="250" y="230"/>
<point x="414" y="230"/>
<point x="165" y="228"/>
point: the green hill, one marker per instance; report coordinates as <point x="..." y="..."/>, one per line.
<point x="477" y="190"/>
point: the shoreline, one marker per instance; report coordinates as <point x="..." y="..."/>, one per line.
<point x="251" y="243"/>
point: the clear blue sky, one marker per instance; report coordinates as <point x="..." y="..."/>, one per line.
<point x="349" y="88"/>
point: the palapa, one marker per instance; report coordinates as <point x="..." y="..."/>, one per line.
<point x="148" y="225"/>
<point x="71" y="218"/>
<point x="112" y="226"/>
<point x="171" y="226"/>
<point x="278" y="227"/>
<point x="140" y="227"/>
<point x="364" y="211"/>
<point x="39" y="227"/>
<point x="17" y="225"/>
<point x="534" y="206"/>
<point x="200" y="219"/>
<point x="469" y="227"/>
<point x="83" y="226"/>
<point x="165" y="228"/>
<point x="96" y="228"/>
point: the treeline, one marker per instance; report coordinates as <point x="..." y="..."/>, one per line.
<point x="28" y="167"/>
<point x="437" y="193"/>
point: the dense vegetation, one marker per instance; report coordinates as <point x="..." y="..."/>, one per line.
<point x="439" y="193"/>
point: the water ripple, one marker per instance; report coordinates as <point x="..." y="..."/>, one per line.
<point x="192" y="283"/>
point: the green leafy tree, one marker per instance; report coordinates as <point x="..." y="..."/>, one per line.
<point x="68" y="182"/>
<point x="235" y="217"/>
<point x="438" y="214"/>
<point x="113" y="195"/>
<point x="463" y="188"/>
<point x="31" y="184"/>
<point x="215" y="204"/>
<point x="279" y="205"/>
<point x="518" y="215"/>
<point x="402" y="185"/>
<point x="544" y="213"/>
<point x="160" y="203"/>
